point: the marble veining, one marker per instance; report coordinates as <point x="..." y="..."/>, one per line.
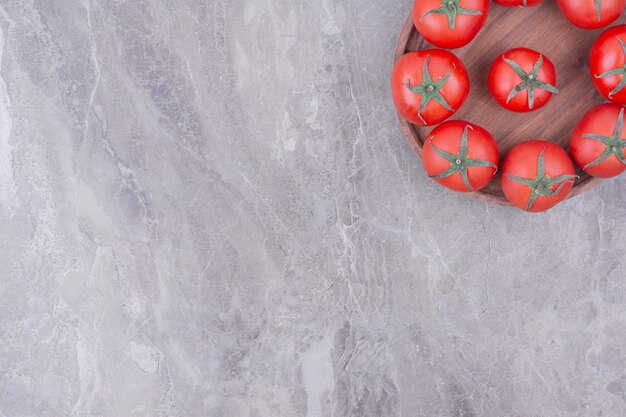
<point x="207" y="208"/>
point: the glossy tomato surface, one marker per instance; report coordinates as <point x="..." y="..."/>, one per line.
<point x="503" y="80"/>
<point x="517" y="3"/>
<point x="589" y="14"/>
<point x="606" y="64"/>
<point x="460" y="156"/>
<point x="412" y="78"/>
<point x="540" y="162"/>
<point x="597" y="143"/>
<point x="450" y="24"/>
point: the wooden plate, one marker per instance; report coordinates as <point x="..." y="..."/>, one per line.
<point x="545" y="30"/>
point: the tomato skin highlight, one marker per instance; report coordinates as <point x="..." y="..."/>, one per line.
<point x="517" y="3"/>
<point x="409" y="69"/>
<point x="608" y="54"/>
<point x="522" y="161"/>
<point x="503" y="79"/>
<point x="600" y="120"/>
<point x="435" y="28"/>
<point x="480" y="144"/>
<point x="583" y="13"/>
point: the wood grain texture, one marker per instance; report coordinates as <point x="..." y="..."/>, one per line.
<point x="545" y="30"/>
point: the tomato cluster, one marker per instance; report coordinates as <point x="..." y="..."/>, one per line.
<point x="429" y="86"/>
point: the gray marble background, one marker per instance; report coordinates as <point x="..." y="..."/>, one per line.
<point x="208" y="209"/>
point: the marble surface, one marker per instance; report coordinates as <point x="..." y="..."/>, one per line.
<point x="207" y="209"/>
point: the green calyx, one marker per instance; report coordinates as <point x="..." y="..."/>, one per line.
<point x="451" y="9"/>
<point x="613" y="145"/>
<point x="542" y="185"/>
<point x="529" y="81"/>
<point x="617" y="71"/>
<point x="599" y="8"/>
<point x="429" y="89"/>
<point x="460" y="162"/>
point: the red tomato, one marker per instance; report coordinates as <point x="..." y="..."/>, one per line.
<point x="598" y="142"/>
<point x="461" y="156"/>
<point x="537" y="175"/>
<point x="522" y="80"/>
<point x="592" y="14"/>
<point x="429" y="86"/>
<point x="607" y="64"/>
<point x="518" y="3"/>
<point x="450" y="23"/>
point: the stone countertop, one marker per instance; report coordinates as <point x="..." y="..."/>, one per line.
<point x="208" y="209"/>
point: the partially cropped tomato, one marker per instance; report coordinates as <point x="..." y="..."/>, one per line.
<point x="598" y="142"/>
<point x="537" y="175"/>
<point x="607" y="64"/>
<point x="518" y="3"/>
<point x="450" y="23"/>
<point x="461" y="156"/>
<point x="429" y="86"/>
<point x="522" y="80"/>
<point x="592" y="14"/>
